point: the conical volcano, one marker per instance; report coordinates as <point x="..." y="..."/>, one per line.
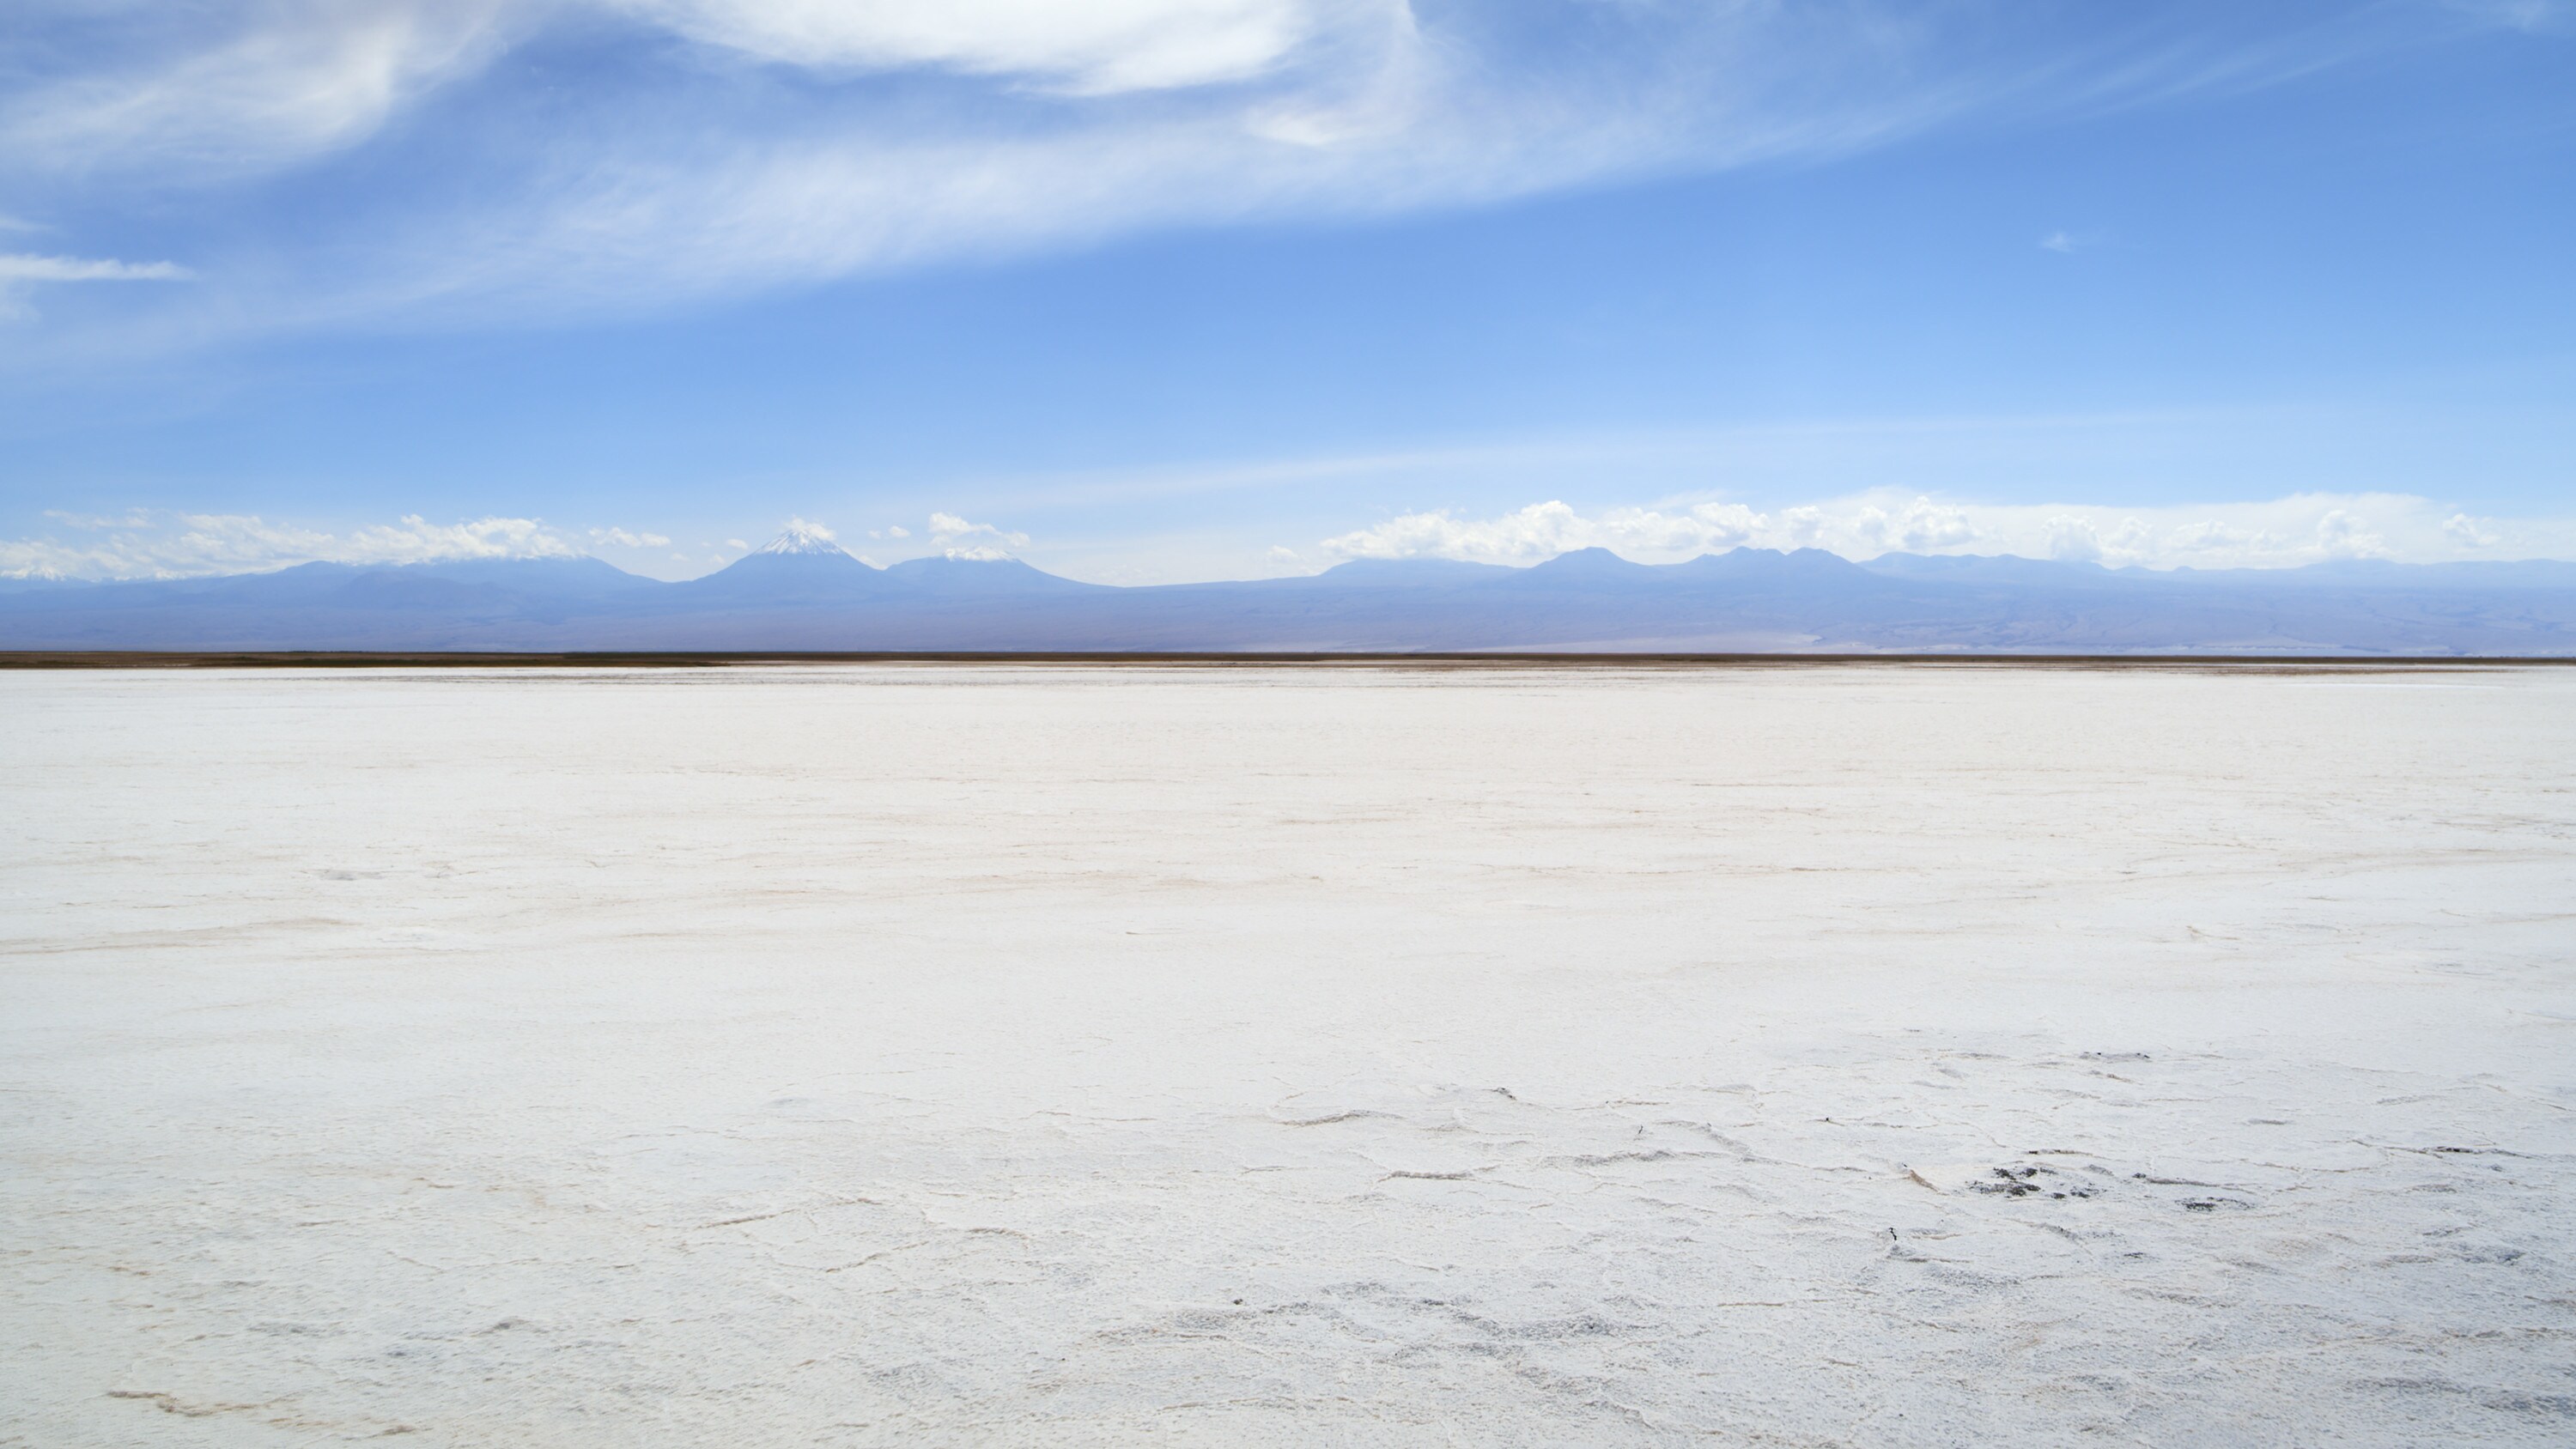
<point x="801" y="565"/>
<point x="802" y="538"/>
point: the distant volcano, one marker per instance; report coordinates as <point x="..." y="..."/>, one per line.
<point x="955" y="577"/>
<point x="801" y="565"/>
<point x="803" y="538"/>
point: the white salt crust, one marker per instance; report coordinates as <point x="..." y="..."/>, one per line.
<point x="999" y="1056"/>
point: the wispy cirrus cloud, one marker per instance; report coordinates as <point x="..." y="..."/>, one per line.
<point x="713" y="146"/>
<point x="203" y="94"/>
<point x="1103" y="47"/>
<point x="2537" y="16"/>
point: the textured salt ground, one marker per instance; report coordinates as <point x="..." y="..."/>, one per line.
<point x="994" y="1056"/>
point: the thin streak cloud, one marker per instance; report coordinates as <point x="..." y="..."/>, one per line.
<point x="20" y="267"/>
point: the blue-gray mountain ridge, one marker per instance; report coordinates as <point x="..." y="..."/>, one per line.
<point x="805" y="594"/>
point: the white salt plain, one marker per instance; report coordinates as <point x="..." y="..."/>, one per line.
<point x="949" y="1055"/>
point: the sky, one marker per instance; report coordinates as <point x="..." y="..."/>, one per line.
<point x="1156" y="290"/>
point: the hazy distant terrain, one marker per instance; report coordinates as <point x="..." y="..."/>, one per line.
<point x="1748" y="599"/>
<point x="1264" y="1056"/>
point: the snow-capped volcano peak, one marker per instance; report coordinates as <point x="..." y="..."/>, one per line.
<point x="803" y="537"/>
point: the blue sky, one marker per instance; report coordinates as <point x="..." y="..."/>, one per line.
<point x="1146" y="290"/>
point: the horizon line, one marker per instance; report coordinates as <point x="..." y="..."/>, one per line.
<point x="42" y="574"/>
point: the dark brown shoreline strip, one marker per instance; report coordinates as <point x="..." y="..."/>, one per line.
<point x="357" y="659"/>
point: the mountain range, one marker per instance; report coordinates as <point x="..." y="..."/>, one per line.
<point x="804" y="593"/>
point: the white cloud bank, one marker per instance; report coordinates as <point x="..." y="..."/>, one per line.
<point x="151" y="544"/>
<point x="963" y="540"/>
<point x="2284" y="532"/>
<point x="628" y="538"/>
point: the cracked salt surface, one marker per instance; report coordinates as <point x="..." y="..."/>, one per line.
<point x="1013" y="1056"/>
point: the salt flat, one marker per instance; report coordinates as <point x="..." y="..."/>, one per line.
<point x="935" y="1054"/>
